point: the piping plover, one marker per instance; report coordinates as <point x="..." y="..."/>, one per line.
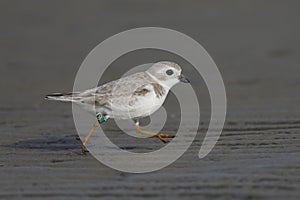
<point x="131" y="97"/>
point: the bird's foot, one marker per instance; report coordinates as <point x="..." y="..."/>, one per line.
<point x="84" y="149"/>
<point x="161" y="136"/>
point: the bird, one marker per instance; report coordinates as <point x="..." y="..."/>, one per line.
<point x="131" y="97"/>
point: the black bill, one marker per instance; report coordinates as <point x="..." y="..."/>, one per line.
<point x="183" y="79"/>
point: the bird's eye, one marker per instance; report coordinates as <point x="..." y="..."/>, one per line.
<point x="169" y="72"/>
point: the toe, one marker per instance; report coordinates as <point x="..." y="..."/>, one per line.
<point x="84" y="150"/>
<point x="166" y="136"/>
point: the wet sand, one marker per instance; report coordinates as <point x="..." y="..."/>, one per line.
<point x="256" y="47"/>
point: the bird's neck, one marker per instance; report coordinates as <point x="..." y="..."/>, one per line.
<point x="162" y="83"/>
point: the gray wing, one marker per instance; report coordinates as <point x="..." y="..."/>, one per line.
<point x="120" y="92"/>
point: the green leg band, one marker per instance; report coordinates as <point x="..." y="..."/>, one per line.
<point x="100" y="118"/>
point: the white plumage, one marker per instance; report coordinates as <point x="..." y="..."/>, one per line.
<point x="134" y="96"/>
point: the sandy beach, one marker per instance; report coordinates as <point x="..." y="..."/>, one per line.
<point x="256" y="48"/>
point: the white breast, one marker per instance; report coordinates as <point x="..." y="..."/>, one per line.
<point x="138" y="106"/>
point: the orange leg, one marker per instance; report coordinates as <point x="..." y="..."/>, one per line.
<point x="83" y="149"/>
<point x="158" y="135"/>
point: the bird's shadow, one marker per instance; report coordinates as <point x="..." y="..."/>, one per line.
<point x="55" y="143"/>
<point x="72" y="142"/>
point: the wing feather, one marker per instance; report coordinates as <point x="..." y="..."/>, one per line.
<point x="120" y="91"/>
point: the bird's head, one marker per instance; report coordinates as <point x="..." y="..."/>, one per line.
<point x="167" y="73"/>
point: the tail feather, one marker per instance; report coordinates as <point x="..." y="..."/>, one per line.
<point x="61" y="96"/>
